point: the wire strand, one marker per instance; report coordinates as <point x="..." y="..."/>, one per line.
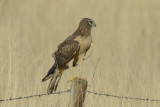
<point x="38" y="95"/>
<point x="90" y="92"/>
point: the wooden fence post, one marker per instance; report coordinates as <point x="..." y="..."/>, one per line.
<point x="78" y="91"/>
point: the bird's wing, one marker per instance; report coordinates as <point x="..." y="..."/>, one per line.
<point x="65" y="52"/>
<point x="89" y="51"/>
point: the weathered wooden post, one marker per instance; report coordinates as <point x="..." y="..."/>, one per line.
<point x="78" y="91"/>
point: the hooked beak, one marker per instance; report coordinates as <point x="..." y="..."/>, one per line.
<point x="94" y="24"/>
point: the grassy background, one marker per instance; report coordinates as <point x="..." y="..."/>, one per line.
<point x="127" y="41"/>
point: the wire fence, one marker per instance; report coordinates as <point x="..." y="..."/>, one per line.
<point x="89" y="92"/>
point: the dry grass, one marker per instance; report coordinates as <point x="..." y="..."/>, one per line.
<point x="127" y="41"/>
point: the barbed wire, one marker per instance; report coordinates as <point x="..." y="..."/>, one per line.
<point x="124" y="97"/>
<point x="38" y="95"/>
<point x="91" y="92"/>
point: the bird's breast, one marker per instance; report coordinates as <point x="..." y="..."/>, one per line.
<point x="85" y="43"/>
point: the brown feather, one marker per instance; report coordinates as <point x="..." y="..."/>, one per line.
<point x="70" y="48"/>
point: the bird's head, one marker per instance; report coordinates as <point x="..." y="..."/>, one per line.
<point x="88" y="22"/>
<point x="85" y="27"/>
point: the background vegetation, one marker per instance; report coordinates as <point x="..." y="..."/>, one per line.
<point x="127" y="45"/>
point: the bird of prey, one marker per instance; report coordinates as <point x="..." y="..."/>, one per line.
<point x="73" y="50"/>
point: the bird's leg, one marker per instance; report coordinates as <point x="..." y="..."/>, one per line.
<point x="71" y="70"/>
<point x="81" y="58"/>
<point x="80" y="70"/>
<point x="71" y="65"/>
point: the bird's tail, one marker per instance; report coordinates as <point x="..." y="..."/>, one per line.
<point x="54" y="82"/>
<point x="56" y="76"/>
<point x="50" y="73"/>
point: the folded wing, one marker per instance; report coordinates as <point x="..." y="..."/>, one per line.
<point x="66" y="52"/>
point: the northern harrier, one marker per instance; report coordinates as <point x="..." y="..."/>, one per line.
<point x="73" y="50"/>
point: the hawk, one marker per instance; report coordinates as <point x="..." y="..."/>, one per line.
<point x="73" y="50"/>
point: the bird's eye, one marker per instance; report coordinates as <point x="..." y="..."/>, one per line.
<point x="90" y="22"/>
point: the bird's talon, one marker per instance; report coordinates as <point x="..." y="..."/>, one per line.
<point x="77" y="78"/>
<point x="82" y="78"/>
<point x="72" y="79"/>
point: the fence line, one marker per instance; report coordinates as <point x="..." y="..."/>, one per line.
<point x="91" y="92"/>
<point x="124" y="97"/>
<point x="38" y="95"/>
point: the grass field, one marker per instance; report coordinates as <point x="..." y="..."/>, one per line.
<point x="127" y="50"/>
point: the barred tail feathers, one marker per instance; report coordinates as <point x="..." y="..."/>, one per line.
<point x="50" y="73"/>
<point x="54" y="82"/>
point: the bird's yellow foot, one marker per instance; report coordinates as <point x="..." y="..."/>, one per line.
<point x="82" y="78"/>
<point x="72" y="78"/>
<point x="77" y="78"/>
